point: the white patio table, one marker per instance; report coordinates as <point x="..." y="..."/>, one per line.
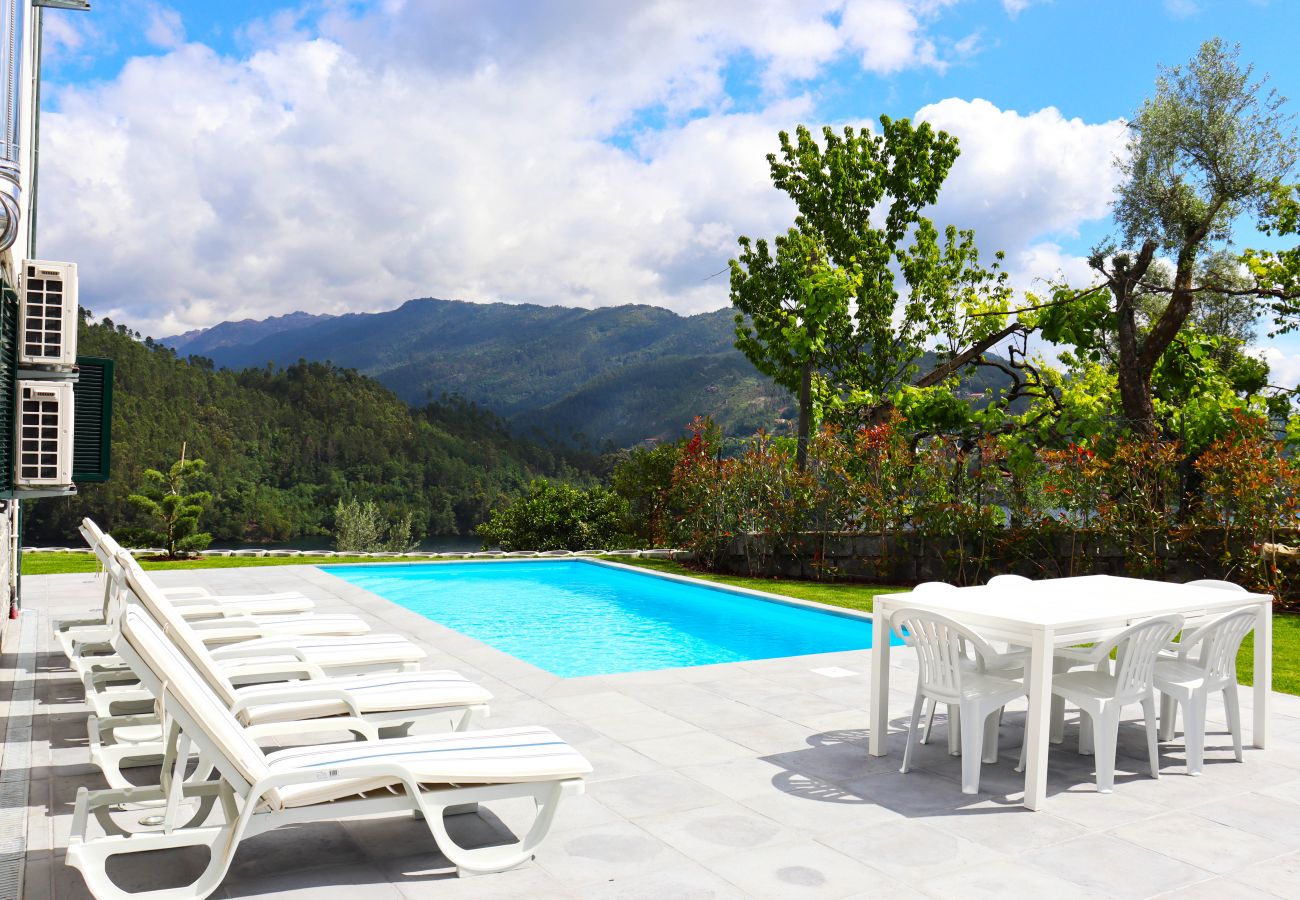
<point x="1058" y="612"/>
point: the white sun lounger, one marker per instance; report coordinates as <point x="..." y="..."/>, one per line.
<point x="270" y="612"/>
<point x="250" y="792"/>
<point x="263" y="659"/>
<point x="397" y="700"/>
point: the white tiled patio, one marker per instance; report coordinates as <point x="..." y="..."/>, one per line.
<point x="738" y="780"/>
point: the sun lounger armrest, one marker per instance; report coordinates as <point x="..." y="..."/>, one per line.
<point x="283" y="670"/>
<point x="295" y="694"/>
<point x="65" y="624"/>
<point x="241" y="652"/>
<point x="227" y="620"/>
<point x="108" y="723"/>
<point x="110" y="676"/>
<point x="186" y="594"/>
<point x="367" y="730"/>
<point x="95" y="643"/>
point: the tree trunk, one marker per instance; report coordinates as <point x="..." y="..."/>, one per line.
<point x="805" y="418"/>
<point x="1134" y="375"/>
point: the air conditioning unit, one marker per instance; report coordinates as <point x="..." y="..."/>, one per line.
<point x="48" y="314"/>
<point x="44" y="438"/>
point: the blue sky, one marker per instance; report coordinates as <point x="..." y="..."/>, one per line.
<point x="346" y="156"/>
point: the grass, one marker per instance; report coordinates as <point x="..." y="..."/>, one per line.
<point x="64" y="563"/>
<point x="1286" y="626"/>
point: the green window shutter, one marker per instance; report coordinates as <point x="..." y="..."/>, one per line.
<point x="8" y="382"/>
<point x="93" y="429"/>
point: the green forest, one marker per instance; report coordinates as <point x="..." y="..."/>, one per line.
<point x="283" y="445"/>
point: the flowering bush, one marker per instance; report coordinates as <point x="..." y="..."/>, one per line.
<point x="989" y="499"/>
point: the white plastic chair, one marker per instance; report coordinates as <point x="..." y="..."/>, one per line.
<point x="945" y="675"/>
<point x="1218" y="584"/>
<point x="1101" y="695"/>
<point x="1009" y="581"/>
<point x="1191" y="677"/>
<point x="1010" y="664"/>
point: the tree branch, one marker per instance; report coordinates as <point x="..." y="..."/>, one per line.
<point x="938" y="374"/>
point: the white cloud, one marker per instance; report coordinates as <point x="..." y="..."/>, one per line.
<point x="1023" y="177"/>
<point x="1284" y="368"/>
<point x="444" y="149"/>
<point x="163" y="27"/>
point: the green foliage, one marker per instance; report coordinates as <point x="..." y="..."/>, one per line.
<point x="173" y="503"/>
<point x="284" y="446"/>
<point x="361" y="527"/>
<point x="828" y="298"/>
<point x="550" y="516"/>
<point x="643" y="477"/>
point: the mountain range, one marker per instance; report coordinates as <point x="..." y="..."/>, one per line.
<point x="619" y="374"/>
<point x="616" y="375"/>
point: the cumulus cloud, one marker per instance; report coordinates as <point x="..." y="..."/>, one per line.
<point x="448" y="149"/>
<point x="1025" y="176"/>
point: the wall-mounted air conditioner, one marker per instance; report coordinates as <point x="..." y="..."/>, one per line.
<point x="44" y="434"/>
<point x="47" y="326"/>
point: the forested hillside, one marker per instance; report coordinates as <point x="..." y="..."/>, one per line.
<point x="615" y="375"/>
<point x="284" y="445"/>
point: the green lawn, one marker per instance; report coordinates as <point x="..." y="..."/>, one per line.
<point x="1286" y="626"/>
<point x="62" y="563"/>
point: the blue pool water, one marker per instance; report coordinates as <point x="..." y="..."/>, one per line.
<point x="576" y="618"/>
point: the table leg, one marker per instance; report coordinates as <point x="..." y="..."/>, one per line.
<point x="1263" y="672"/>
<point x="879" y="678"/>
<point x="1038" y="721"/>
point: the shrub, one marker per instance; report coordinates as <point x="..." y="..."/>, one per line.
<point x="174" y="502"/>
<point x="558" y="517"/>
<point x="360" y="527"/>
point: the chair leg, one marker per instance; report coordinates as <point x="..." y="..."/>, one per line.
<point x="1168" y="717"/>
<point x="1105" y="736"/>
<point x="1153" y="750"/>
<point x="1194" y="731"/>
<point x="1233" y="707"/>
<point x="954" y="729"/>
<point x="1086" y="728"/>
<point x="992" y="723"/>
<point x="930" y="705"/>
<point x="1057" y="733"/>
<point x="972" y="751"/>
<point x="912" y="731"/>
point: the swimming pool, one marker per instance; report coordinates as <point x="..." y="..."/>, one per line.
<point x="581" y="617"/>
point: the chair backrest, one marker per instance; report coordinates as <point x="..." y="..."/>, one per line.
<point x="1217" y="584"/>
<point x="1009" y="581"/>
<point x="940" y="644"/>
<point x="1220" y="639"/>
<point x="1135" y="657"/>
<point x="165" y="671"/>
<point x="145" y="593"/>
<point x="933" y="587"/>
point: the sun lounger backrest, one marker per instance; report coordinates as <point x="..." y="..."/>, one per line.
<point x="199" y="711"/>
<point x="172" y="624"/>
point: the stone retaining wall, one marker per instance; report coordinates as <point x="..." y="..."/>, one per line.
<point x="913" y="558"/>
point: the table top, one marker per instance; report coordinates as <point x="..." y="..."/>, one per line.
<point x="1080" y="601"/>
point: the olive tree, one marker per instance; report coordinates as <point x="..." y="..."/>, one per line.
<point x="1211" y="145"/>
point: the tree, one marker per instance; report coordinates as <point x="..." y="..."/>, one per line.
<point x="174" y="504"/>
<point x="558" y="517"/>
<point x="793" y="320"/>
<point x="1208" y="147"/>
<point x="863" y="283"/>
<point x="360" y="527"/>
